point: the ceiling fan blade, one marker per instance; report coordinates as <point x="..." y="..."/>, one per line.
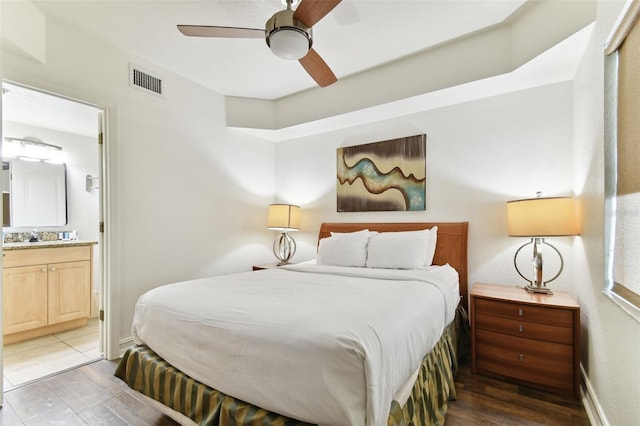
<point x="318" y="69"/>
<point x="311" y="11"/>
<point x="223" y="32"/>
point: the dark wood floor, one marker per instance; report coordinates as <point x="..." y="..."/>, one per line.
<point x="91" y="395"/>
<point x="88" y="395"/>
<point x="485" y="401"/>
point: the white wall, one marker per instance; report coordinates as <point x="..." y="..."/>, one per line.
<point x="610" y="337"/>
<point x="187" y="195"/>
<point x="479" y="155"/>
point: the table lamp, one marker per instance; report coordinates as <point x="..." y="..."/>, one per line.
<point x="539" y="218"/>
<point x="284" y="218"/>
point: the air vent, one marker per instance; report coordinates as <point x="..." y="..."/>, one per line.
<point x="143" y="80"/>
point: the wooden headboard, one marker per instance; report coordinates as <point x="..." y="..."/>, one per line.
<point x="451" y="246"/>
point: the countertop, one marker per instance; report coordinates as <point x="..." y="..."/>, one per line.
<point x="43" y="244"/>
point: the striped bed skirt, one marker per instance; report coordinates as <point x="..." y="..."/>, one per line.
<point x="146" y="372"/>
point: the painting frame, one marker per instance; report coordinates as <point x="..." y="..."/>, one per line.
<point x="388" y="175"/>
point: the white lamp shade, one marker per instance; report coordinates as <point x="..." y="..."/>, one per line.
<point x="283" y="217"/>
<point x="289" y="44"/>
<point x="542" y="217"/>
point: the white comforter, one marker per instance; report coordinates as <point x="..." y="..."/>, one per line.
<point x="322" y="344"/>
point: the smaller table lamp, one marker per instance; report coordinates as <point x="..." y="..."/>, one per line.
<point x="284" y="218"/>
<point x="538" y="218"/>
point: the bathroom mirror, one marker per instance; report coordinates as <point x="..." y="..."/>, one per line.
<point x="34" y="193"/>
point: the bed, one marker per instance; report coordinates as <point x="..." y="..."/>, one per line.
<point x="314" y="343"/>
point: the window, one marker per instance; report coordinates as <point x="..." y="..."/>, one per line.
<point x="622" y="161"/>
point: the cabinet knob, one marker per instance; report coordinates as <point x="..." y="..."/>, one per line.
<point x="521" y="357"/>
<point x="43" y="270"/>
<point x="53" y="269"/>
<point x="520" y="328"/>
<point x="520" y="312"/>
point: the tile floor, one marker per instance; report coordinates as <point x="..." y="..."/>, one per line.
<point x="36" y="358"/>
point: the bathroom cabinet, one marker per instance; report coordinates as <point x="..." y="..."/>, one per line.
<point x="45" y="290"/>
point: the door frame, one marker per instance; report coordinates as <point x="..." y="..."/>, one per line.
<point x="104" y="326"/>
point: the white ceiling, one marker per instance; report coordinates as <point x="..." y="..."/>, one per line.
<point x="358" y="39"/>
<point x="39" y="109"/>
<point x="356" y="36"/>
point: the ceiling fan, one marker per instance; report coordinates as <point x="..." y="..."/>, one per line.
<point x="287" y="33"/>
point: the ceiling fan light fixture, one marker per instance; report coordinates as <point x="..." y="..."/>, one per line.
<point x="289" y="43"/>
<point x="287" y="37"/>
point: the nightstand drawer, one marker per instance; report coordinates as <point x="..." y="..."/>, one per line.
<point x="525" y="329"/>
<point x="544" y="363"/>
<point x="524" y="312"/>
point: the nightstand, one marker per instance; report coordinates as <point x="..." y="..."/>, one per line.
<point x="532" y="339"/>
<point x="265" y="266"/>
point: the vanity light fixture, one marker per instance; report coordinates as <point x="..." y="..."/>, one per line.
<point x="284" y="218"/>
<point x="538" y="218"/>
<point x="32" y="149"/>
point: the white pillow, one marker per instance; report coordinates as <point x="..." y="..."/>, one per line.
<point x="353" y="234"/>
<point x="431" y="245"/>
<point x="402" y="250"/>
<point x="344" y="249"/>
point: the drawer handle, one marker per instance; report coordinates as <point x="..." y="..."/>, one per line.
<point x="520" y="328"/>
<point x="520" y="312"/>
<point x="521" y="357"/>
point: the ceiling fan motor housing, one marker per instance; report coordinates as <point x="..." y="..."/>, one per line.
<point x="287" y="37"/>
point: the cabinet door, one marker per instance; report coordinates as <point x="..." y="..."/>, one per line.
<point x="24" y="303"/>
<point x="69" y="291"/>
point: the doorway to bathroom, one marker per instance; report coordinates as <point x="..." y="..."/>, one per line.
<point x="52" y="244"/>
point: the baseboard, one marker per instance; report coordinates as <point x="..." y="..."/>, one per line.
<point x="590" y="402"/>
<point x="123" y="345"/>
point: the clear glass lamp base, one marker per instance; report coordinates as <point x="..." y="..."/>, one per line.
<point x="284" y="247"/>
<point x="537" y="284"/>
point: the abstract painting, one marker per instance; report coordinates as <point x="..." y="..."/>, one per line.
<point x="383" y="176"/>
